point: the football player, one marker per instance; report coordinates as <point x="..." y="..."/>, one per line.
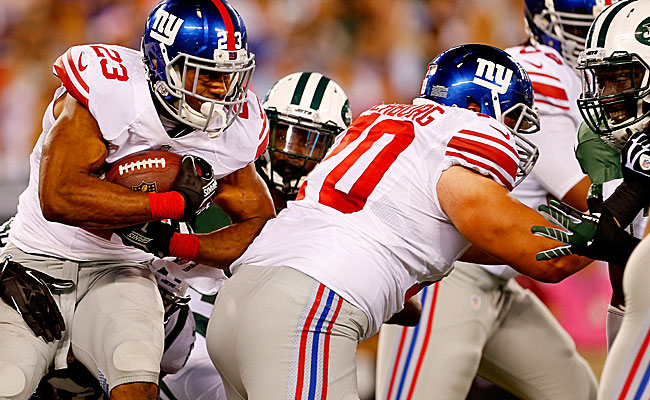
<point x="306" y="110"/>
<point x="402" y="194"/>
<point x="481" y="321"/>
<point x="185" y="91"/>
<point x="615" y="107"/>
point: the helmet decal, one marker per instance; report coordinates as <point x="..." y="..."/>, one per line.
<point x="492" y="76"/>
<point x="346" y="113"/>
<point x="165" y="27"/>
<point x="643" y="32"/>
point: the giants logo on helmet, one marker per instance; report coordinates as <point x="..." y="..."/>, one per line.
<point x="492" y="76"/>
<point x="165" y="27"/>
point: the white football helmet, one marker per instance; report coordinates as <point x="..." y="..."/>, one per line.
<point x="306" y="111"/>
<point x="615" y="72"/>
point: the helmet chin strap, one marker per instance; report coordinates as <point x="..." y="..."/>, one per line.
<point x="496" y="105"/>
<point x="209" y="113"/>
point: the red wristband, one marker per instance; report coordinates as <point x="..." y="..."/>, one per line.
<point x="184" y="245"/>
<point x="166" y="205"/>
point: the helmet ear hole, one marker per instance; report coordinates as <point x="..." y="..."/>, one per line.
<point x="473" y="105"/>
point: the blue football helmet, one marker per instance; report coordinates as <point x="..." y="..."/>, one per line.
<point x="562" y="24"/>
<point x="478" y="76"/>
<point x="198" y="63"/>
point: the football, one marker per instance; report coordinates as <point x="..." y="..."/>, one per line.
<point x="147" y="171"/>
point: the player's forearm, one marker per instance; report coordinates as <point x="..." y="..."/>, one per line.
<point x="92" y="203"/>
<point x="557" y="269"/>
<point x="220" y="248"/>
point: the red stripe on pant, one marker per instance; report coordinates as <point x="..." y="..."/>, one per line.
<point x="303" y="341"/>
<point x="635" y="366"/>
<point x="425" y="344"/>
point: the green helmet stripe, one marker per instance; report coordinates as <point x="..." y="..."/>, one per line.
<point x="608" y="21"/>
<point x="318" y="94"/>
<point x="300" y="88"/>
<point x="592" y="29"/>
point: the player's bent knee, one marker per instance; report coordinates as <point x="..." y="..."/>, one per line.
<point x="12" y="380"/>
<point x="135" y="355"/>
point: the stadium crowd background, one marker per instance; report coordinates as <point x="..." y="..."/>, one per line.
<point x="376" y="49"/>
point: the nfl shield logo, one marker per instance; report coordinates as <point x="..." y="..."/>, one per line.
<point x="232" y="55"/>
<point x="644" y="161"/>
<point x="145" y="187"/>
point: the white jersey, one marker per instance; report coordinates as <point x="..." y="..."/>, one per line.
<point x="367" y="222"/>
<point x="111" y="82"/>
<point x="557" y="170"/>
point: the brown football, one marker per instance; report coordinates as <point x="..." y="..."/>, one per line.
<point x="146" y="171"/>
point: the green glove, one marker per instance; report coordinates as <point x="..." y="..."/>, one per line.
<point x="595" y="236"/>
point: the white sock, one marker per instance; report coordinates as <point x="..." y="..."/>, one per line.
<point x="614" y="321"/>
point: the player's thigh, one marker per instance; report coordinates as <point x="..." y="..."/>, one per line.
<point x="197" y="380"/>
<point x="24" y="358"/>
<point x="275" y="332"/>
<point x="441" y="355"/>
<point x="628" y="362"/>
<point x="532" y="356"/>
<point x="118" y="325"/>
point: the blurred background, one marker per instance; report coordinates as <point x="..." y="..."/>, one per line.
<point x="377" y="50"/>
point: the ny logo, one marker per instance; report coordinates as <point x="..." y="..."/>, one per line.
<point x="165" y="27"/>
<point x="492" y="76"/>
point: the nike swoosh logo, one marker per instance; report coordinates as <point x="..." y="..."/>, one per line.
<point x="538" y="66"/>
<point x="81" y="67"/>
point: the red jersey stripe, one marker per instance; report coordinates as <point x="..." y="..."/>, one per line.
<point x="499" y="177"/>
<point x="265" y="140"/>
<point x="492" y="154"/>
<point x="550" y="91"/>
<point x="227" y="22"/>
<point x="544" y="75"/>
<point x="60" y="71"/>
<point x="551" y="104"/>
<point x="75" y="72"/>
<point x="503" y="143"/>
